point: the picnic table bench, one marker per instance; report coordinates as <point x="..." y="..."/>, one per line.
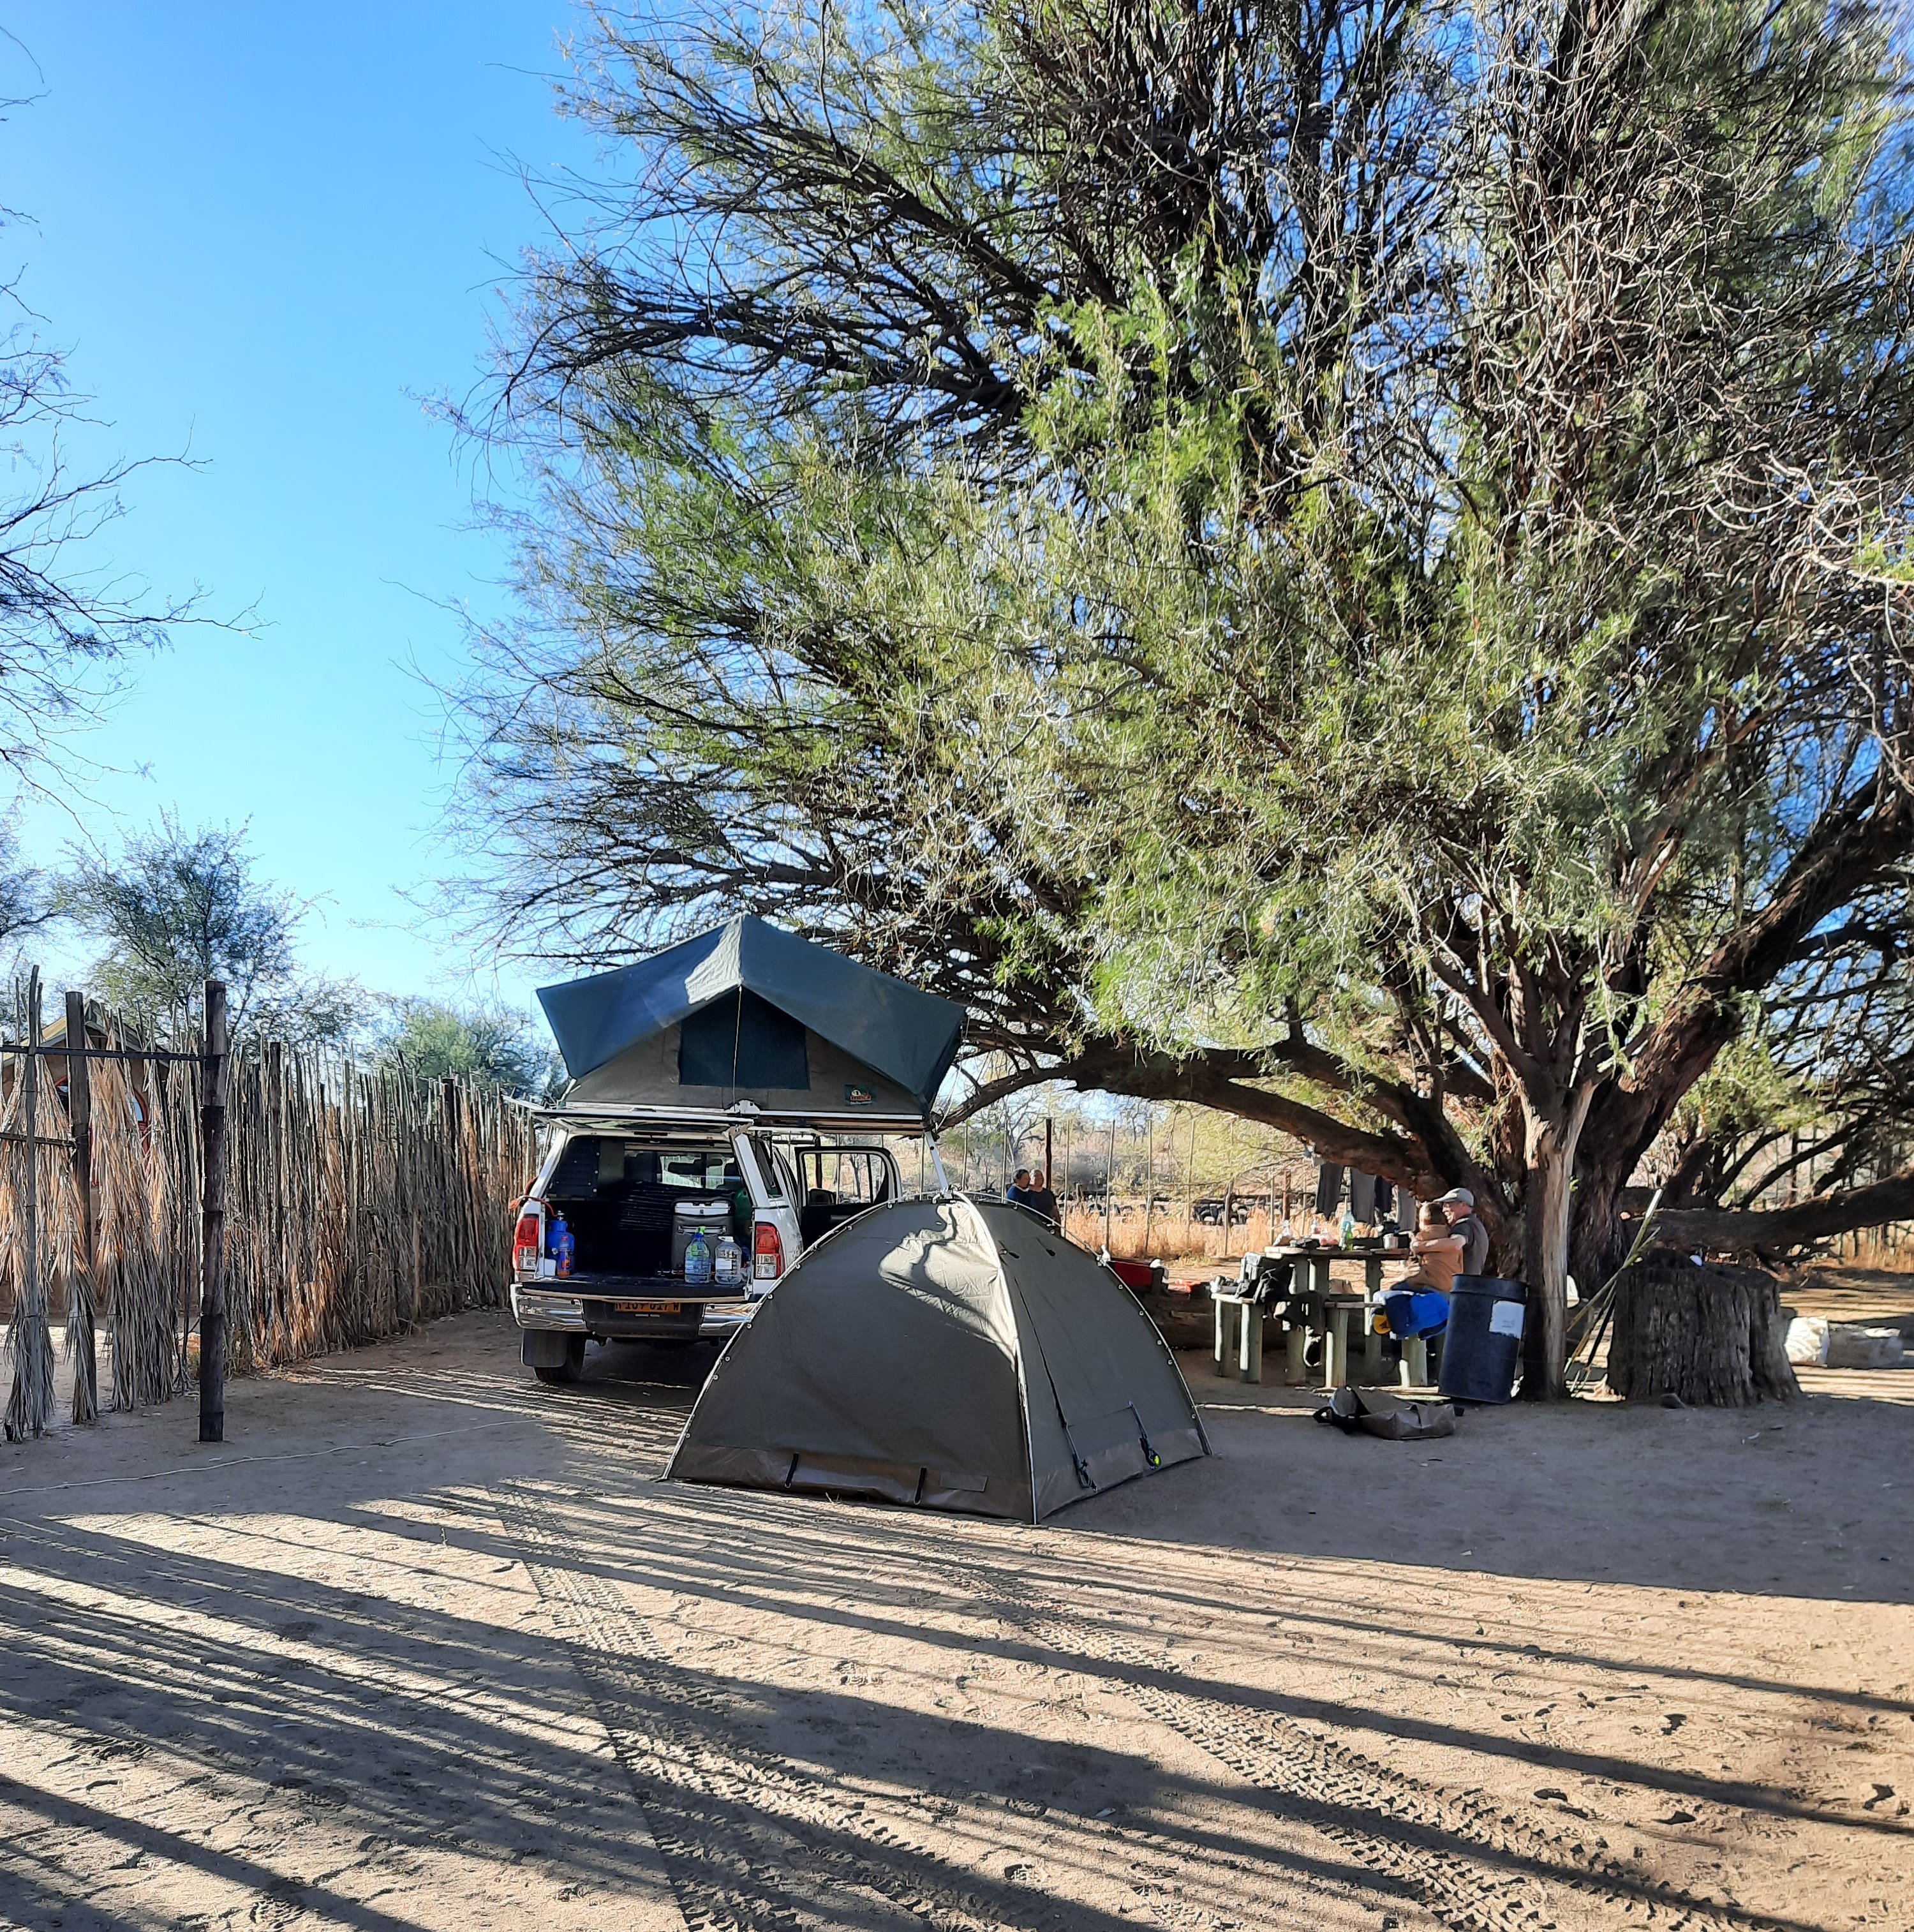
<point x="1311" y="1305"/>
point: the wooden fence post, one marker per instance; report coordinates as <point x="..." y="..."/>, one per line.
<point x="1109" y="1179"/>
<point x="30" y="1406"/>
<point x="212" y="1256"/>
<point x="1149" y="1179"/>
<point x="79" y="1123"/>
<point x="36" y="1281"/>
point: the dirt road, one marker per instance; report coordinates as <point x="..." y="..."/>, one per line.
<point x="424" y="1645"/>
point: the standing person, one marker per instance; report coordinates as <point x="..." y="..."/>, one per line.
<point x="1018" y="1192"/>
<point x="1458" y="1208"/>
<point x="1042" y="1197"/>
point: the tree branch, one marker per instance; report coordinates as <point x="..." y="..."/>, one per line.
<point x="1220" y="1080"/>
<point x="1772" y="1230"/>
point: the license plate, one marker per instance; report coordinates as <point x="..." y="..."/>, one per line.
<point x="647" y="1308"/>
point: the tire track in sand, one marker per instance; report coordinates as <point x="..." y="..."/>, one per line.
<point x="750" y="1843"/>
<point x="747" y="1842"/>
<point x="1473" y="1868"/>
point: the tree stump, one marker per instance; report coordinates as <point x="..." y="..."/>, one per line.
<point x="1712" y="1336"/>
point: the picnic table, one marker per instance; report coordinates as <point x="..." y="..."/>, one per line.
<point x="1324" y="1310"/>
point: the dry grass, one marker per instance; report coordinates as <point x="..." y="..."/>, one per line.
<point x="1892" y="1251"/>
<point x="1172" y="1236"/>
<point x="1169" y="1236"/>
<point x="359" y="1203"/>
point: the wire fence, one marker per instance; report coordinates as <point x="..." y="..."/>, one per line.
<point x="359" y="1202"/>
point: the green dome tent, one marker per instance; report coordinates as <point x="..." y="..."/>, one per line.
<point x="955" y="1354"/>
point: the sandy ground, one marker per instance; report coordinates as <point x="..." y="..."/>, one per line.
<point x="426" y="1644"/>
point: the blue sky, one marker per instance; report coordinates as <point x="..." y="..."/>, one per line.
<point x="265" y="234"/>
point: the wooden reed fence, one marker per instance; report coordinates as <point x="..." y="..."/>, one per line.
<point x="358" y="1202"/>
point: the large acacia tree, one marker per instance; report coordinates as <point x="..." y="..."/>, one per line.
<point x="1346" y="563"/>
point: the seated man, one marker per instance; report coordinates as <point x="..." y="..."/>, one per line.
<point x="1458" y="1207"/>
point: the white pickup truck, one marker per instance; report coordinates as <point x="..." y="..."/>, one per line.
<point x="631" y="1189"/>
<point x="743" y="1082"/>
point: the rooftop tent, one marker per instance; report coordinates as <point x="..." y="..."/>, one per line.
<point x="955" y="1354"/>
<point x="748" y="1012"/>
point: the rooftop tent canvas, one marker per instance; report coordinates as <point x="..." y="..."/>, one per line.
<point x="953" y="1354"/>
<point x="748" y="1011"/>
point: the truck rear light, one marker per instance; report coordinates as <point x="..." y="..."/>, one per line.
<point x="528" y="1243"/>
<point x="767" y="1252"/>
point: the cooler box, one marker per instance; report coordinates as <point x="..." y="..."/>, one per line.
<point x="711" y="1219"/>
<point x="1138" y="1277"/>
<point x="1482" y="1348"/>
<point x="1415" y="1311"/>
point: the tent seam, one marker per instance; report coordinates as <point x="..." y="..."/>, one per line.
<point x="1056" y="1401"/>
<point x="1167" y="1353"/>
<point x="1023" y="1380"/>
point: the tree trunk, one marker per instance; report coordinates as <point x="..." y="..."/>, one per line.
<point x="1149" y="1182"/>
<point x="1712" y="1336"/>
<point x="1549" y="1151"/>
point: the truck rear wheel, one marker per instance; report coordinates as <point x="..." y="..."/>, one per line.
<point x="567" y="1370"/>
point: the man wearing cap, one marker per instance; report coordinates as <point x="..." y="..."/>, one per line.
<point x="1449" y="1241"/>
<point x="1458" y="1208"/>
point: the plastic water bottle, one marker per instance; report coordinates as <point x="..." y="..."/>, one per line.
<point x="697" y="1258"/>
<point x="727" y="1266"/>
<point x="1348" y="1227"/>
<point x="563" y="1247"/>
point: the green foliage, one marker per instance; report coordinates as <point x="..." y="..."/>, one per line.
<point x="1377" y="541"/>
<point x="490" y="1046"/>
<point x="26" y="900"/>
<point x="175" y="909"/>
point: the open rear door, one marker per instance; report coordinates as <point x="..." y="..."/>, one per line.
<point x="836" y="1182"/>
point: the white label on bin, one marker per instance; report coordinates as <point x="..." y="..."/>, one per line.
<point x="1505" y="1318"/>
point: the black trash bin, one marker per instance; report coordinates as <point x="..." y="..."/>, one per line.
<point x="1482" y="1349"/>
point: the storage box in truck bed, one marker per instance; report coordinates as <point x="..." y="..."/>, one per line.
<point x="620" y="1197"/>
<point x="632" y="1194"/>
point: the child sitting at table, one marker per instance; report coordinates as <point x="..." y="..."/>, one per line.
<point x="1418" y="1304"/>
<point x="1439" y="1251"/>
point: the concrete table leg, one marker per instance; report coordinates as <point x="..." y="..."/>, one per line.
<point x="1415" y="1363"/>
<point x="1249" y="1354"/>
<point x="1372" y="1341"/>
<point x="1335" y="1350"/>
<point x="1295" y="1345"/>
<point x="1223" y="1343"/>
